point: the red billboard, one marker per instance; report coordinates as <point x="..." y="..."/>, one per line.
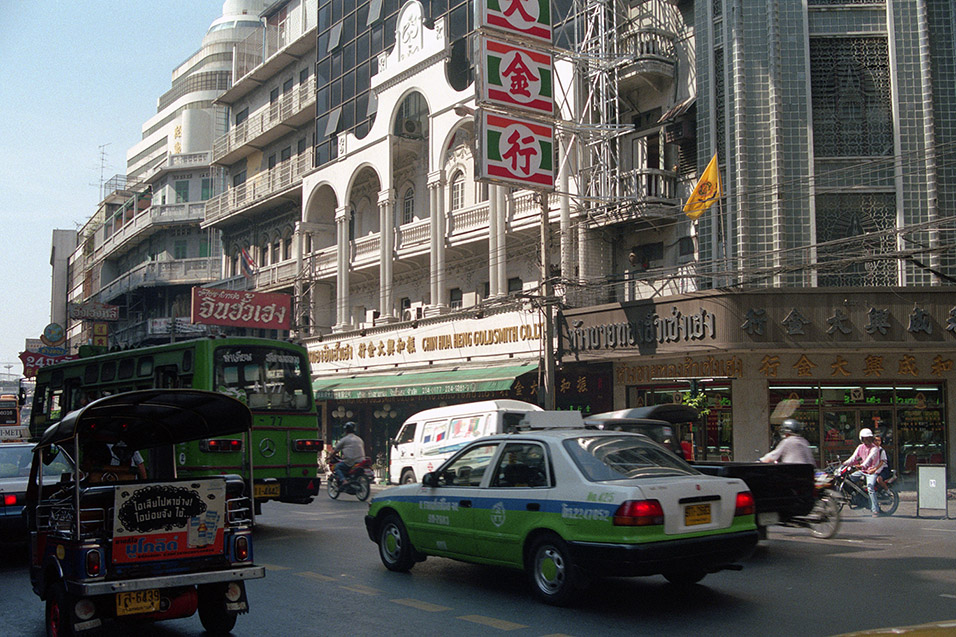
<point x="233" y="308"/>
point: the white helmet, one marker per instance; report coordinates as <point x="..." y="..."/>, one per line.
<point x="866" y="433"/>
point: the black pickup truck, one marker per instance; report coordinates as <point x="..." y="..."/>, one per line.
<point x="781" y="491"/>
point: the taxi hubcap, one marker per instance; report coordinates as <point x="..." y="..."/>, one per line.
<point x="392" y="542"/>
<point x="550" y="569"/>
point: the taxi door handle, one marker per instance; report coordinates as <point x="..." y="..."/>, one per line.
<point x="465" y="504"/>
<point x="533" y="506"/>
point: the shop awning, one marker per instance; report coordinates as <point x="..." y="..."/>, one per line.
<point x="453" y="381"/>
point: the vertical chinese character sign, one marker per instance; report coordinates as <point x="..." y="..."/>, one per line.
<point x="515" y="81"/>
<point x="517" y="151"/>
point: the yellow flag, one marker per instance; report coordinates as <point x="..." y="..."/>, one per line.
<point x="706" y="192"/>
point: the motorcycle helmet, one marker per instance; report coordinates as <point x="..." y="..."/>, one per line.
<point x="791" y="426"/>
<point x="866" y="433"/>
<point x="350" y="427"/>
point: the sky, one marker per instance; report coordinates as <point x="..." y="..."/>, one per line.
<point x="77" y="77"/>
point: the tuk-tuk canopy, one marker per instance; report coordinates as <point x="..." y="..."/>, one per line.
<point x="670" y="412"/>
<point x="152" y="418"/>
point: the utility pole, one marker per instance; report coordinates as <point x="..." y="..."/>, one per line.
<point x="546" y="302"/>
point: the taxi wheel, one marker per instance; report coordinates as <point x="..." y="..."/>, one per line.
<point x="552" y="573"/>
<point x="212" y="610"/>
<point x="58" y="621"/>
<point x="685" y="578"/>
<point x="394" y="547"/>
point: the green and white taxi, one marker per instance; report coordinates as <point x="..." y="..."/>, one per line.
<point x="566" y="504"/>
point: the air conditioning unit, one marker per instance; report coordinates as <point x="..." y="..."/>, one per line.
<point x="371" y="316"/>
<point x="411" y="128"/>
<point x="414" y="312"/>
<point x="470" y="299"/>
<point x="681" y="131"/>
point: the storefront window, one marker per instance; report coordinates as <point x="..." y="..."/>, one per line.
<point x="712" y="438"/>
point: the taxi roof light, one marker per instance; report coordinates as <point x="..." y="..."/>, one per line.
<point x="551" y="420"/>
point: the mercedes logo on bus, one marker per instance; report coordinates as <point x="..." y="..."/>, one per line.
<point x="267" y="447"/>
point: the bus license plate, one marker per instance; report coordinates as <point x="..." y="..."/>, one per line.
<point x="267" y="490"/>
<point x="696" y="514"/>
<point x="137" y="602"/>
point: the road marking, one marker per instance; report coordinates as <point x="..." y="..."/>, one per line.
<point x="275" y="567"/>
<point x="360" y="588"/>
<point x="942" y="530"/>
<point x="947" y="595"/>
<point x="420" y="605"/>
<point x="500" y="624"/>
<point x="318" y="576"/>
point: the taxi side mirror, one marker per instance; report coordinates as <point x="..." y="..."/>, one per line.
<point x="431" y="479"/>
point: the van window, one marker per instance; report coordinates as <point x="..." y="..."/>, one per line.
<point x="434" y="432"/>
<point x="463" y="429"/>
<point x="407" y="434"/>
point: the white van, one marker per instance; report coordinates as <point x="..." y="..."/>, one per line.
<point x="429" y="437"/>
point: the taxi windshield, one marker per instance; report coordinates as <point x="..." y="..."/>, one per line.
<point x="602" y="458"/>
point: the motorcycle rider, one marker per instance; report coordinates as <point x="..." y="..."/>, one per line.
<point x="794" y="448"/>
<point x="351" y="449"/>
<point x="883" y="472"/>
<point x="867" y="458"/>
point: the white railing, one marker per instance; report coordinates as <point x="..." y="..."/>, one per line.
<point x="184" y="160"/>
<point x="276" y="273"/>
<point x="367" y="248"/>
<point x="468" y="219"/>
<point x="413" y="234"/>
<point x="649" y="185"/>
<point x="265" y="119"/>
<point x="154" y="215"/>
<point x="259" y="187"/>
<point x="178" y="271"/>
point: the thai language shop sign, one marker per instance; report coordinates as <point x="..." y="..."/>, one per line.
<point x="211" y="306"/>
<point x="516" y="150"/>
<point x="520" y="18"/>
<point x="515" y="77"/>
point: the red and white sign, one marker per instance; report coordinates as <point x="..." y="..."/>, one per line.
<point x="522" y="18"/>
<point x="514" y="76"/>
<point x="33" y="361"/>
<point x="212" y="306"/>
<point x="515" y="151"/>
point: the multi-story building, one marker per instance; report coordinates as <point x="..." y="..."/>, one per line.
<point x="143" y="249"/>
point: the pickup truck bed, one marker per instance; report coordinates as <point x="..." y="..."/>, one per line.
<point x="781" y="491"/>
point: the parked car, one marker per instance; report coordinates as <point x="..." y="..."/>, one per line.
<point x="565" y="504"/>
<point x="107" y="547"/>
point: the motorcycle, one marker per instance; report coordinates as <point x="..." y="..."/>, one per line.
<point x="823" y="520"/>
<point x="854" y="494"/>
<point x="358" y="480"/>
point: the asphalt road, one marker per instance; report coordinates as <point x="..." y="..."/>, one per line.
<point x="324" y="577"/>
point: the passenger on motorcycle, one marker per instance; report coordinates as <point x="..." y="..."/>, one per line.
<point x="794" y="448"/>
<point x="350" y="449"/>
<point x="866" y="458"/>
<point x="883" y="472"/>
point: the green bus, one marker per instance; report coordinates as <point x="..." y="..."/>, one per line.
<point x="271" y="377"/>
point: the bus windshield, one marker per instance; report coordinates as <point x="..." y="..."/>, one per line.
<point x="265" y="378"/>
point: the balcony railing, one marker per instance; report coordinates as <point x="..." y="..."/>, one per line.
<point x="260" y="186"/>
<point x="265" y="119"/>
<point x="148" y="219"/>
<point x="153" y="273"/>
<point x="413" y="234"/>
<point x="647" y="52"/>
<point x="650" y="185"/>
<point x="184" y="160"/>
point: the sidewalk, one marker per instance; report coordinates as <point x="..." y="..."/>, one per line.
<point x="908" y="502"/>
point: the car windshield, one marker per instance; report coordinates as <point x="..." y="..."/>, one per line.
<point x="15" y="462"/>
<point x="602" y="458"/>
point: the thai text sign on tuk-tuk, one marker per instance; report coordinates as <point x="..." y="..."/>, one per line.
<point x="119" y="536"/>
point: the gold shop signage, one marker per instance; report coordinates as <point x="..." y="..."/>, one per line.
<point x="729" y="367"/>
<point x="652" y="328"/>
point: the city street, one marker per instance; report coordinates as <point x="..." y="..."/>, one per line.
<point x="324" y="577"/>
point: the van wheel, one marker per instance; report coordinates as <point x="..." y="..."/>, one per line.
<point x="59" y="616"/>
<point x="408" y="477"/>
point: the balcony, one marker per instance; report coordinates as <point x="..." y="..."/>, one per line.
<point x="146" y="223"/>
<point x="266" y="125"/>
<point x="260" y="187"/>
<point x="649" y="57"/>
<point x="159" y="273"/>
<point x="178" y="162"/>
<point x="644" y="193"/>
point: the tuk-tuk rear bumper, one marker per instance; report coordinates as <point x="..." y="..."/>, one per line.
<point x="89" y="589"/>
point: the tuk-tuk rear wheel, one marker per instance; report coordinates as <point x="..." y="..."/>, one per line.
<point x="212" y="610"/>
<point x="59" y="603"/>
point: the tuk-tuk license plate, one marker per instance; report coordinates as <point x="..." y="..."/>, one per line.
<point x="266" y="490"/>
<point x="697" y="514"/>
<point x="137" y="602"/>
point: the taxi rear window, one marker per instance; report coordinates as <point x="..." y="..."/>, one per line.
<point x="602" y="458"/>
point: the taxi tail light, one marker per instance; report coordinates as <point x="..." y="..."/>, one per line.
<point x="9" y="499"/>
<point x="93" y="563"/>
<point x="215" y="444"/>
<point x="308" y="445"/>
<point x="745" y="504"/>
<point x="242" y="548"/>
<point x="639" y="513"/>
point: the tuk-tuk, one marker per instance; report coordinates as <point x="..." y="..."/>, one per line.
<point x="108" y="545"/>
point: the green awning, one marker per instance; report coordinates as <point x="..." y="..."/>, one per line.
<point x="456" y="381"/>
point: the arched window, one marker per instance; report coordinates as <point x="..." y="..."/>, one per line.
<point x="458" y="191"/>
<point x="408" y="206"/>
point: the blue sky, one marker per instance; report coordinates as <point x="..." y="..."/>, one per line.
<point x="75" y="76"/>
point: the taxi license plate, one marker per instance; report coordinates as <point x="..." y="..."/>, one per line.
<point x="266" y="490"/>
<point x="696" y="514"/>
<point x="137" y="602"/>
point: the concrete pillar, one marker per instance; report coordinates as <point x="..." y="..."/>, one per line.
<point x="386" y="206"/>
<point x="343" y="258"/>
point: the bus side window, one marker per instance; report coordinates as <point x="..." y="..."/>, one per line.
<point x="167" y="377"/>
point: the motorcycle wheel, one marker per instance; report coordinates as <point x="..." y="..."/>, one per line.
<point x="362" y="488"/>
<point x="888" y="500"/>
<point x="827" y="515"/>
<point x="332" y="485"/>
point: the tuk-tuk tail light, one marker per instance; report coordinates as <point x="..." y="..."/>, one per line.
<point x="84" y="609"/>
<point x="233" y="592"/>
<point x="242" y="548"/>
<point x="94" y="563"/>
